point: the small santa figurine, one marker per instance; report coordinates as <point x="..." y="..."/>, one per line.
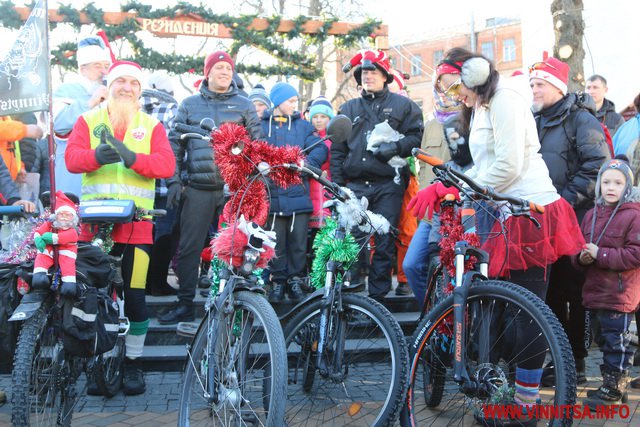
<point x="61" y="232"/>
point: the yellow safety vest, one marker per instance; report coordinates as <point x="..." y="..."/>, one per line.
<point x="115" y="181"/>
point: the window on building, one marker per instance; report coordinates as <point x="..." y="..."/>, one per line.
<point x="508" y="50"/>
<point x="438" y="56"/>
<point x="487" y="50"/>
<point x="416" y="62"/>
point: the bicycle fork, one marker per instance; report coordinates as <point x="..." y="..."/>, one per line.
<point x="463" y="280"/>
<point x="324" y="328"/>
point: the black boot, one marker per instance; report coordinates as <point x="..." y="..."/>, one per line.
<point x="611" y="392"/>
<point x="294" y="291"/>
<point x="183" y="312"/>
<point x="133" y="381"/>
<point x="40" y="281"/>
<point x="276" y="296"/>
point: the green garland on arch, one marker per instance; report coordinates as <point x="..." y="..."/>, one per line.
<point x="291" y="62"/>
<point x="326" y="247"/>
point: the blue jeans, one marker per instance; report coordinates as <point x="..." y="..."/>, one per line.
<point x="415" y="264"/>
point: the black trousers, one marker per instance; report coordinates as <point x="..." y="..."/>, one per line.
<point x="166" y="234"/>
<point x="565" y="299"/>
<point x="291" y="246"/>
<point x="385" y="198"/>
<point x="199" y="209"/>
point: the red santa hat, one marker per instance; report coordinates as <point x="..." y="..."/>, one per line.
<point x="553" y="71"/>
<point x="63" y="204"/>
<point x="125" y="68"/>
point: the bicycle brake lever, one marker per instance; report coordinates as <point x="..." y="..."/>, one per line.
<point x="528" y="215"/>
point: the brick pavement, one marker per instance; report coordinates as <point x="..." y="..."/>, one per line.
<point x="158" y="406"/>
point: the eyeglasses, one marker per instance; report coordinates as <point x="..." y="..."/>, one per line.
<point x="540" y="66"/>
<point x="453" y="90"/>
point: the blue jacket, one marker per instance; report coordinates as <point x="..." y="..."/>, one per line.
<point x="293" y="131"/>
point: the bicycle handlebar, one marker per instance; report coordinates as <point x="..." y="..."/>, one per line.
<point x="480" y="189"/>
<point x="188" y="131"/>
<point x="319" y="176"/>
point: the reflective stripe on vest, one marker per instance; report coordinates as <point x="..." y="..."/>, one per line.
<point x="115" y="181"/>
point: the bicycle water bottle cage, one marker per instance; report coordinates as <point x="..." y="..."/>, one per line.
<point x="107" y="210"/>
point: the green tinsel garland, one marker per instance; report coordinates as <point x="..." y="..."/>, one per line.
<point x="326" y="247"/>
<point x="217" y="264"/>
<point x="291" y="61"/>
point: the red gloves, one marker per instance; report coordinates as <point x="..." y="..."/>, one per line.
<point x="430" y="198"/>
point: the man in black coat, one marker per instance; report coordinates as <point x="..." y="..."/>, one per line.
<point x="367" y="172"/>
<point x="596" y="87"/>
<point x="202" y="192"/>
<point x="574" y="148"/>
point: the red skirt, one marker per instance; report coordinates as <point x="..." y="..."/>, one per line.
<point x="527" y="246"/>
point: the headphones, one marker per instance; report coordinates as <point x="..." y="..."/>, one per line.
<point x="474" y="71"/>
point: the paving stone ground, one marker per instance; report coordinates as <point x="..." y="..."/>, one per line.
<point x="158" y="406"/>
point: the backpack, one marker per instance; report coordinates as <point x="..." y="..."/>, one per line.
<point x="581" y="105"/>
<point x="90" y="322"/>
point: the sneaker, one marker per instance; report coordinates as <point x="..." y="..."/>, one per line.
<point x="403" y="289"/>
<point x="133" y="382"/>
<point x="204" y="282"/>
<point x="276" y="296"/>
<point x="181" y="313"/>
<point x="294" y="291"/>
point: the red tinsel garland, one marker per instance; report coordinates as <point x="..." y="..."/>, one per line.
<point x="452" y="232"/>
<point x="248" y="199"/>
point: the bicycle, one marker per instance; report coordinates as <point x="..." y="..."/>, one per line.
<point x="235" y="373"/>
<point x="347" y="356"/>
<point x="462" y="353"/>
<point x="46" y="369"/>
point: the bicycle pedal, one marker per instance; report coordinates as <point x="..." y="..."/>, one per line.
<point x="187" y="329"/>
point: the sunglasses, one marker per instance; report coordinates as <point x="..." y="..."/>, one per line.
<point x="453" y="90"/>
<point x="540" y="66"/>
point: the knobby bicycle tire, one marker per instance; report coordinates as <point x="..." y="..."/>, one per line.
<point x="39" y="390"/>
<point x="493" y="310"/>
<point x="375" y="362"/>
<point x="259" y="366"/>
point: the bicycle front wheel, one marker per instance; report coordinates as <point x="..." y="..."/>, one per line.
<point x="41" y="386"/>
<point x="509" y="331"/>
<point x="247" y="363"/>
<point x="360" y="378"/>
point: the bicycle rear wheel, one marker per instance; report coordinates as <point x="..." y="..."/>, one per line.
<point x="495" y="314"/>
<point x="368" y="387"/>
<point x="250" y="368"/>
<point x="42" y="389"/>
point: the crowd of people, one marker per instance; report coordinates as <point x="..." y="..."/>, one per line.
<point x="528" y="137"/>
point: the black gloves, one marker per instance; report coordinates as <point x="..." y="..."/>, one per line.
<point x="174" y="192"/>
<point x="386" y="151"/>
<point x="105" y="154"/>
<point x="128" y="156"/>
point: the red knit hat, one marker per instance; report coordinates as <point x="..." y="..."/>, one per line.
<point x="553" y="71"/>
<point x="215" y="57"/>
<point x="370" y="60"/>
<point x="64" y="204"/>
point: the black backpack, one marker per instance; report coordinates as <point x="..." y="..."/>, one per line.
<point x="90" y="322"/>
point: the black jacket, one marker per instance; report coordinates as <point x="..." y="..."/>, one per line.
<point x="351" y="161"/>
<point x="607" y="115"/>
<point x="201" y="170"/>
<point x="574" y="148"/>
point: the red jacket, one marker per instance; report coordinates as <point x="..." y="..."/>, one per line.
<point x="613" y="280"/>
<point x="159" y="163"/>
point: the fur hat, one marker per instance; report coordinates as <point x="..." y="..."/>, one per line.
<point x="215" y="57"/>
<point x="92" y="49"/>
<point x="280" y="92"/>
<point x="124" y="68"/>
<point x="258" y="93"/>
<point x="321" y="105"/>
<point x="551" y="70"/>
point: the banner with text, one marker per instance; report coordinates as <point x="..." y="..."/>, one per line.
<point x="24" y="72"/>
